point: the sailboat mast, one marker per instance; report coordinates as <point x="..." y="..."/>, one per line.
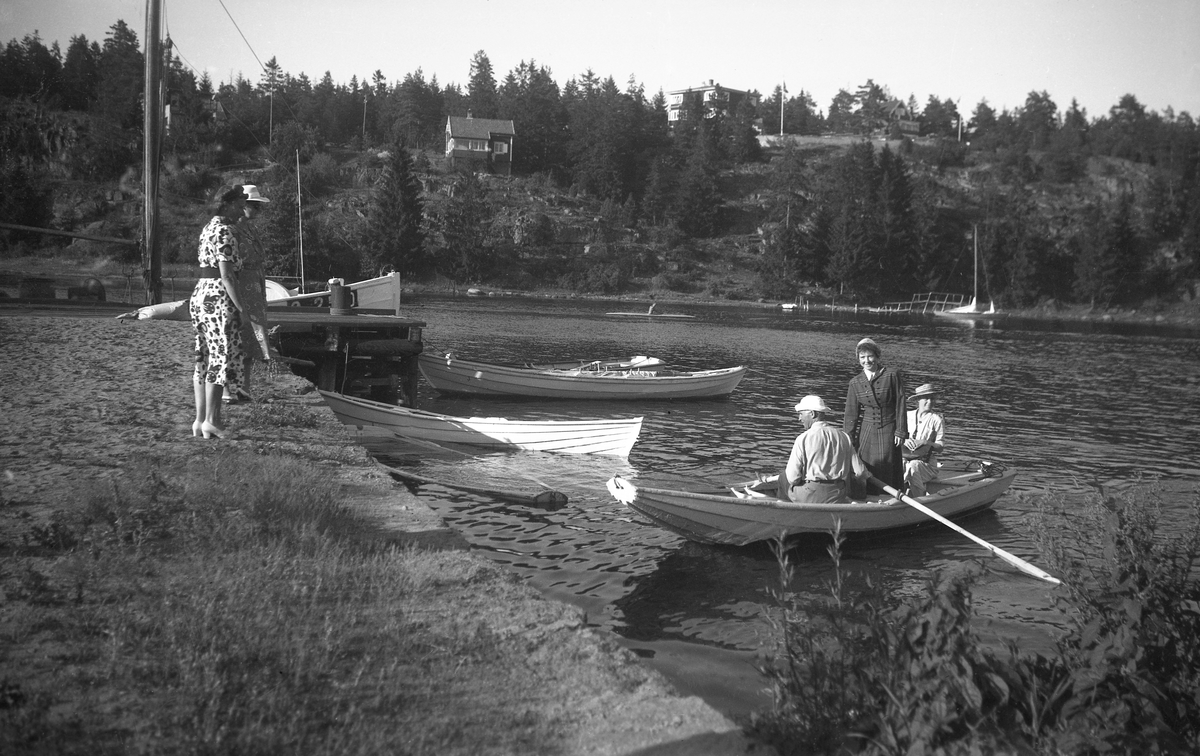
<point x="975" y="298"/>
<point x="151" y="141"/>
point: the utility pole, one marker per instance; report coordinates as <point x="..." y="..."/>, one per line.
<point x="300" y="221"/>
<point x="151" y="139"/>
<point x="782" y="99"/>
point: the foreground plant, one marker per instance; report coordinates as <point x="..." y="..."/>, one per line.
<point x="875" y="676"/>
<point x="1133" y="605"/>
<point x="864" y="675"/>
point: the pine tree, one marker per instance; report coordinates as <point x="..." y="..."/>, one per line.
<point x="897" y="249"/>
<point x="80" y="74"/>
<point x="395" y="237"/>
<point x="122" y="77"/>
<point x="1109" y="265"/>
<point x="530" y="98"/>
<point x="482" y="98"/>
<point x="462" y="222"/>
<point x="698" y="198"/>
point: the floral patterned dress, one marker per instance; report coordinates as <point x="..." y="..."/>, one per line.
<point x="215" y="319"/>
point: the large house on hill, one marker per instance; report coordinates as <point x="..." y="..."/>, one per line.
<point x="479" y="144"/>
<point x="898" y="112"/>
<point x="709" y="98"/>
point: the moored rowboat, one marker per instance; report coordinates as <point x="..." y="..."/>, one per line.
<point x="565" y="436"/>
<point x="455" y="376"/>
<point x="728" y="519"/>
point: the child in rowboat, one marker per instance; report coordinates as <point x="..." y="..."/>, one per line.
<point x="920" y="451"/>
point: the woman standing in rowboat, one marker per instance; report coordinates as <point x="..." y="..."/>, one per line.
<point x="875" y="416"/>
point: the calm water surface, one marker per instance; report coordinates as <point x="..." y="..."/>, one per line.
<point x="1066" y="405"/>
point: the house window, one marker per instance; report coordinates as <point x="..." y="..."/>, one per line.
<point x="501" y="148"/>
<point x="478" y="145"/>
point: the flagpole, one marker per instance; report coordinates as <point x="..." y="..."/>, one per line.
<point x="782" y="96"/>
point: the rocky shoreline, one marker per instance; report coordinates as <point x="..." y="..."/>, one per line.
<point x="83" y="396"/>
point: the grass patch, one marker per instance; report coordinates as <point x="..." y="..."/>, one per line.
<point x="213" y="606"/>
<point x="860" y="672"/>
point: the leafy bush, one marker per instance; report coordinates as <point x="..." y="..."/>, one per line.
<point x="191" y="182"/>
<point x="1134" y="605"/>
<point x="671" y="282"/>
<point x="292" y="138"/>
<point x="865" y="677"/>
<point x="100" y="150"/>
<point x="24" y="200"/>
<point x="320" y="175"/>
<point x="854" y="676"/>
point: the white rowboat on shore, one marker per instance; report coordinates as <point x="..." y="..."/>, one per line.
<point x="614" y="437"/>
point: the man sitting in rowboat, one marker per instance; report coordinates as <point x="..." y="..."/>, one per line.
<point x="823" y="462"/>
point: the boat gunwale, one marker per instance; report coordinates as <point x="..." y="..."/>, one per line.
<point x="884" y="503"/>
<point x="440" y="417"/>
<point x="583" y="373"/>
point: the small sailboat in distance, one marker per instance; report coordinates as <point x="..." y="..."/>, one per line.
<point x="974" y="310"/>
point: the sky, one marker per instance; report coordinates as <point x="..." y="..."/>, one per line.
<point x="1092" y="51"/>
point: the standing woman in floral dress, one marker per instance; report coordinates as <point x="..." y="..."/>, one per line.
<point x="875" y="415"/>
<point x="216" y="314"/>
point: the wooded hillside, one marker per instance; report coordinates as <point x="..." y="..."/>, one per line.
<point x="606" y="197"/>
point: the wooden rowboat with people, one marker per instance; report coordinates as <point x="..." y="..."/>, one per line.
<point x="752" y="512"/>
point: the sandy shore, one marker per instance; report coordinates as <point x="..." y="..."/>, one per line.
<point x="82" y="396"/>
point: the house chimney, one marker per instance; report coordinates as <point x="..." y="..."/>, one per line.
<point x="710" y="82"/>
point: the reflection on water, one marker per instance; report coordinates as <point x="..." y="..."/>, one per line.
<point x="1064" y="407"/>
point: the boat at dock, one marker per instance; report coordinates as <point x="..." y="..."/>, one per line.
<point x="974" y="310"/>
<point x="379" y="295"/>
<point x="613" y="436"/>
<point x="746" y="515"/>
<point x="595" y="380"/>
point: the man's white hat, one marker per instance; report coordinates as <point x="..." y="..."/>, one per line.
<point x="252" y="195"/>
<point x="812" y="403"/>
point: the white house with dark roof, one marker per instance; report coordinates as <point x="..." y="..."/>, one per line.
<point x="481" y="144"/>
<point x="708" y="99"/>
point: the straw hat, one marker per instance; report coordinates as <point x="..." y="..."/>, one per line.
<point x="252" y="195"/>
<point x="813" y="403"/>
<point x="925" y="389"/>
<point x="868" y="344"/>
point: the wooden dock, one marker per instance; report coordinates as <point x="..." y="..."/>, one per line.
<point x="928" y="302"/>
<point x="365" y="353"/>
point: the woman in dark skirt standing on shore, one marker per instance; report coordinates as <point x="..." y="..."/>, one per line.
<point x="875" y="415"/>
<point x="216" y="314"/>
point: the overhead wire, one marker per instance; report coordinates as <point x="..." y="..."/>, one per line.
<point x="228" y="110"/>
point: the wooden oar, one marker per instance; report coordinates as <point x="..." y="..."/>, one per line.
<point x="543" y="499"/>
<point x="1012" y="559"/>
